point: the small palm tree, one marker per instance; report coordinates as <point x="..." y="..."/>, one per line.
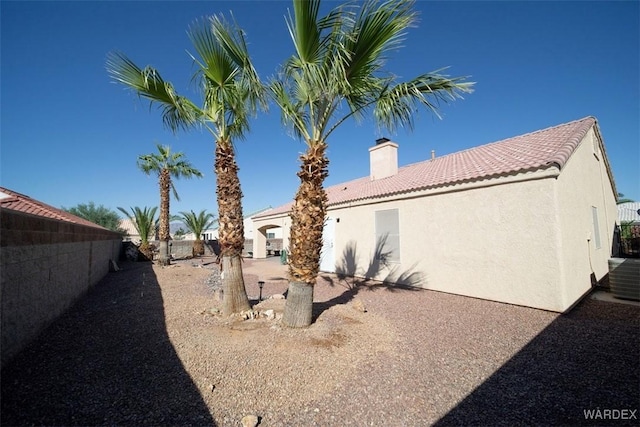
<point x="166" y="165"/>
<point x="232" y="93"/>
<point x="179" y="234"/>
<point x="197" y="224"/>
<point x="144" y="221"/>
<point x="336" y="73"/>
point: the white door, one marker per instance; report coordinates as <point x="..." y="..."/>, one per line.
<point x="327" y="256"/>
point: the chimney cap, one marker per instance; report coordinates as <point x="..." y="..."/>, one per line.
<point x="382" y="140"/>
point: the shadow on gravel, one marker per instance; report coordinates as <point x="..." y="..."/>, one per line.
<point x="348" y="269"/>
<point x="106" y="361"/>
<point x="586" y="360"/>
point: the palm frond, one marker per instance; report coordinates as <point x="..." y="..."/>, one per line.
<point x="197" y="223"/>
<point x="378" y="29"/>
<point x="174" y="191"/>
<point x="304" y="30"/>
<point x="143" y="220"/>
<point x="178" y="112"/>
<point x="214" y="64"/>
<point x="232" y="88"/>
<point x="397" y="104"/>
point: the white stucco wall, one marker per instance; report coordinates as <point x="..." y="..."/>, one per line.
<point x="584" y="184"/>
<point x="525" y="239"/>
<point x="249" y="233"/>
<point x="496" y="242"/>
<point x="278" y="224"/>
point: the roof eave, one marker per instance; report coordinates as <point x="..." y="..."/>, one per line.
<point x="548" y="171"/>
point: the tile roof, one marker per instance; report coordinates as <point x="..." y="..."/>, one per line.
<point x="21" y="203"/>
<point x="533" y="151"/>
<point x="629" y="211"/>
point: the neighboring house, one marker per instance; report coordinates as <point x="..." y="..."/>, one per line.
<point x="212" y="233"/>
<point x="629" y="220"/>
<point x="629" y="213"/>
<point x="528" y="220"/>
<point x="132" y="234"/>
<point x="208" y="234"/>
<point x="48" y="259"/>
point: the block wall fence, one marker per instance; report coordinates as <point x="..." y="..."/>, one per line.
<point x="183" y="248"/>
<point x="45" y="266"/>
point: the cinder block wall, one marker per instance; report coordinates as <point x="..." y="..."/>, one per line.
<point x="273" y="244"/>
<point x="184" y="248"/>
<point x="45" y="266"/>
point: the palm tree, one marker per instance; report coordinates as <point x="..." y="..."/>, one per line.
<point x="144" y="221"/>
<point x="336" y="73"/>
<point x="166" y="165"/>
<point x="232" y="93"/>
<point x="621" y="199"/>
<point x="197" y="224"/>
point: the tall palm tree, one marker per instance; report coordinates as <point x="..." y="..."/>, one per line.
<point x="232" y="92"/>
<point x="197" y="224"/>
<point x="166" y="165"/>
<point x="144" y="221"/>
<point x="336" y="73"/>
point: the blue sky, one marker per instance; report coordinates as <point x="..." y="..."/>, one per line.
<point x="69" y="135"/>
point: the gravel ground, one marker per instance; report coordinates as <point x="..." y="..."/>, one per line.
<point x="145" y="347"/>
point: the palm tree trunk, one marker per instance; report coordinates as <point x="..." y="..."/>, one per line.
<point x="197" y="248"/>
<point x="145" y="252"/>
<point x="165" y="185"/>
<point x="234" y="298"/>
<point x="231" y="229"/>
<point x="305" y="241"/>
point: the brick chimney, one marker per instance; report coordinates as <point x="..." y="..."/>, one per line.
<point x="383" y="159"/>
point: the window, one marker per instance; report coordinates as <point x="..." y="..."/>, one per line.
<point x="387" y="236"/>
<point x="271" y="235"/>
<point x="596" y="227"/>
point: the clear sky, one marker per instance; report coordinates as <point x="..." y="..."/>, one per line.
<point x="70" y="136"/>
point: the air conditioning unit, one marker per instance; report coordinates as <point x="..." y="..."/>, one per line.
<point x="624" y="278"/>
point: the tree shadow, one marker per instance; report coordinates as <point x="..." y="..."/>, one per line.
<point x="354" y="279"/>
<point x="107" y="361"/>
<point x="585" y="360"/>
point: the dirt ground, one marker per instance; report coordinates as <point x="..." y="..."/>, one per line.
<point x="147" y="346"/>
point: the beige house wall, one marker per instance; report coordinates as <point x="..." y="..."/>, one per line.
<point x="278" y="224"/>
<point x="212" y="233"/>
<point x="584" y="184"/>
<point x="526" y="239"/>
<point x="478" y="242"/>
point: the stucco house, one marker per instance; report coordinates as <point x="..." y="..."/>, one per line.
<point x="528" y="220"/>
<point x="212" y="232"/>
<point x="132" y="234"/>
<point x="629" y="220"/>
